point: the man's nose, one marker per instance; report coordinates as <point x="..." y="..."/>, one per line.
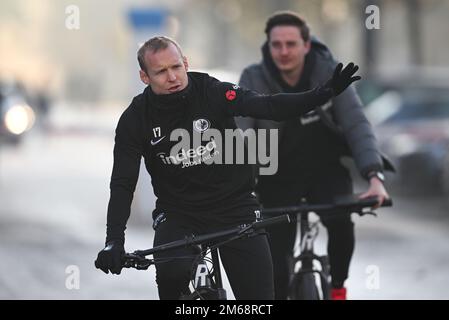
<point x="284" y="50"/>
<point x="171" y="75"/>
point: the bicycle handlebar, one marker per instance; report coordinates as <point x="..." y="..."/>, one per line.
<point x="352" y="204"/>
<point x="270" y="221"/>
<point x="137" y="260"/>
<point x="194" y="240"/>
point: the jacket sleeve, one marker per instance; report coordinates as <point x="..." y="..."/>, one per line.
<point x="125" y="172"/>
<point x="356" y="129"/>
<point x="237" y="101"/>
<point x="245" y="122"/>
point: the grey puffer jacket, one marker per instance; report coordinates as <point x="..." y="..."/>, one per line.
<point x="345" y="116"/>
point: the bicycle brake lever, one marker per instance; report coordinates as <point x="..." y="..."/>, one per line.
<point x="368" y="212"/>
<point x="134" y="260"/>
<point x="137" y="254"/>
<point x="143" y="265"/>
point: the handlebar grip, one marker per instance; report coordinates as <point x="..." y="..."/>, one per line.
<point x="270" y="221"/>
<point x="372" y="201"/>
<point x="387" y="203"/>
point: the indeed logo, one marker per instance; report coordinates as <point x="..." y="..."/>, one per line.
<point x="236" y="147"/>
<point x="189" y="155"/>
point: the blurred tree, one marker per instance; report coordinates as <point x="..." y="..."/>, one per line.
<point x="414" y="9"/>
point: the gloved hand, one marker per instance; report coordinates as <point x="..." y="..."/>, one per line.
<point x="110" y="258"/>
<point x="341" y="79"/>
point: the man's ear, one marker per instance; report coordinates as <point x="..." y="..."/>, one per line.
<point x="144" y="77"/>
<point x="186" y="63"/>
<point x="308" y="46"/>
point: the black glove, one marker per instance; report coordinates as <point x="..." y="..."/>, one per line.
<point x="110" y="258"/>
<point x="341" y="79"/>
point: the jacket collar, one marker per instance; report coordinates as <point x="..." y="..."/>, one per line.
<point x="170" y="102"/>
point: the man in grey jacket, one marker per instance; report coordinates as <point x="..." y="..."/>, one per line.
<point x="310" y="147"/>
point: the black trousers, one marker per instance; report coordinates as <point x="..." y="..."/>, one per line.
<point x="316" y="187"/>
<point x="247" y="262"/>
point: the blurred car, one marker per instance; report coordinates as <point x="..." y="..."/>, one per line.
<point x="16" y="115"/>
<point x="412" y="127"/>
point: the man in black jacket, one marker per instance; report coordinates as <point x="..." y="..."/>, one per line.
<point x="195" y="192"/>
<point x="310" y="146"/>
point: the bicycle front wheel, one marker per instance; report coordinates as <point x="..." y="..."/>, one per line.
<point x="304" y="287"/>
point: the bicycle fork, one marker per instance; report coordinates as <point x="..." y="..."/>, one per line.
<point x="307" y="257"/>
<point x="207" y="285"/>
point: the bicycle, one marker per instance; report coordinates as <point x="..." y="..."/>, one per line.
<point x="311" y="281"/>
<point x="206" y="281"/>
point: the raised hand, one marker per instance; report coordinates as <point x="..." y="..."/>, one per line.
<point x="342" y="78"/>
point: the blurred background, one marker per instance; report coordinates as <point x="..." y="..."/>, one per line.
<point x="68" y="69"/>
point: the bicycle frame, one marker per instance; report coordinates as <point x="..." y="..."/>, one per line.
<point x="302" y="284"/>
<point x="207" y="285"/>
<point x="307" y="257"/>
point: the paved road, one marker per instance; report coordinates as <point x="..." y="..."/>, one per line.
<point x="54" y="192"/>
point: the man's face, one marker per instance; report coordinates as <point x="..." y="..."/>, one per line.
<point x="166" y="70"/>
<point x="287" y="48"/>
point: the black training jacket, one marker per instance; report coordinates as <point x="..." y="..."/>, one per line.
<point x="217" y="192"/>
